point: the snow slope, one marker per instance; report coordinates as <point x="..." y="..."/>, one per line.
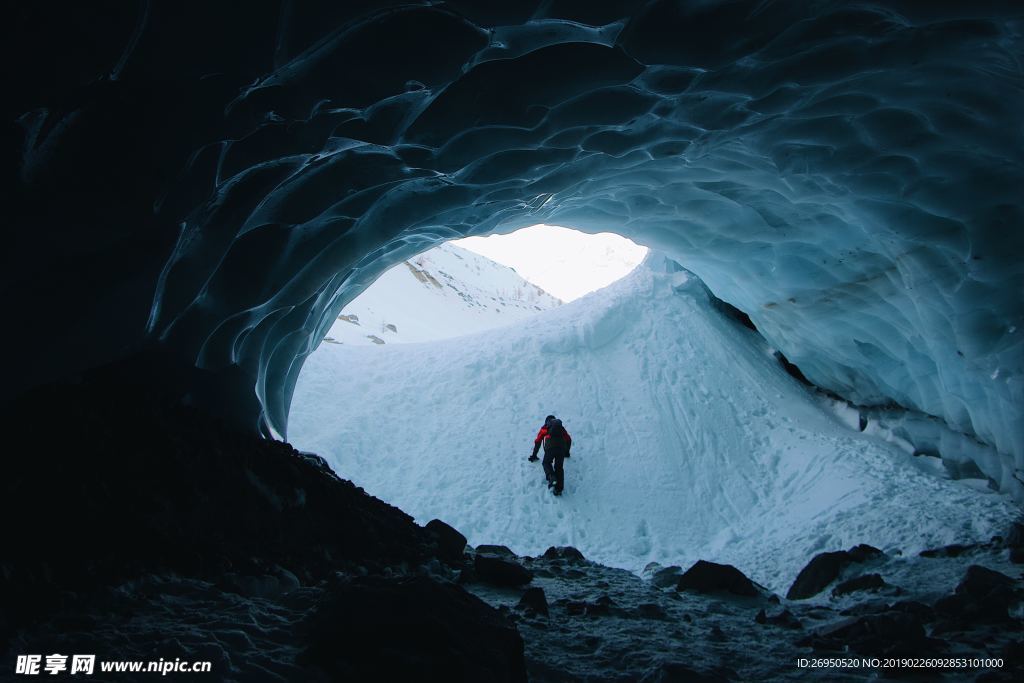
<point x="690" y="441"/>
<point x="442" y="293"/>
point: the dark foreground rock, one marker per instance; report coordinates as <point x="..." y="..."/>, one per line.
<point x="413" y="630"/>
<point x="191" y="539"/>
<point x="891" y="633"/>
<point x="535" y="600"/>
<point x="783" y="619"/>
<point x="860" y="583"/>
<point x="983" y="595"/>
<point x="133" y="484"/>
<point x="501" y="572"/>
<point x="709" y="577"/>
<point x="451" y="543"/>
<point x="825" y="568"/>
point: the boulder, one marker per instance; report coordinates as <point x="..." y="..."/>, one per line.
<point x="501" y="572"/>
<point x="534" y="600"/>
<point x="566" y="552"/>
<point x="860" y="583"/>
<point x="825" y="568"/>
<point x="784" y="619"/>
<point x="1015" y="537"/>
<point x="889" y="633"/>
<point x="981" y="582"/>
<point x="450" y="543"/>
<point x="666" y="576"/>
<point x="983" y="595"/>
<point x="499" y="550"/>
<point x="410" y="629"/>
<point x="710" y="577"/>
<point x="954" y="550"/>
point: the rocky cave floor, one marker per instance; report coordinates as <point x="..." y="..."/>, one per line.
<point x="579" y="621"/>
<point x="163" y="534"/>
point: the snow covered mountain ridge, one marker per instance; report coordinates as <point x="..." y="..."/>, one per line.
<point x="440" y="294"/>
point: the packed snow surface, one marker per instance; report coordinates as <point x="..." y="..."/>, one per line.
<point x="442" y="293"/>
<point x="565" y="262"/>
<point x="690" y="441"/>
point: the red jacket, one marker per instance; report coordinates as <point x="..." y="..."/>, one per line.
<point x="541" y="436"/>
<point x="544" y="432"/>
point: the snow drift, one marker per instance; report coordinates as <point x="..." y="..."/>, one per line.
<point x="690" y="440"/>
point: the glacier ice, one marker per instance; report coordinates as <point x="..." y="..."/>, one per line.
<point x="214" y="185"/>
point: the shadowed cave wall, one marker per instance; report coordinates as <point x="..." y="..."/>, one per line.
<point x="204" y="188"/>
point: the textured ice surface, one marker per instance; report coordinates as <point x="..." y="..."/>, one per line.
<point x="690" y="441"/>
<point x="849" y="175"/>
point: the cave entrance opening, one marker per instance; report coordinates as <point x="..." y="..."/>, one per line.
<point x="470" y="285"/>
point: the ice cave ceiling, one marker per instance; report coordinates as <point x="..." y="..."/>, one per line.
<point x="211" y="182"/>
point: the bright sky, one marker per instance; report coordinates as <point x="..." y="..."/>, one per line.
<point x="565" y="263"/>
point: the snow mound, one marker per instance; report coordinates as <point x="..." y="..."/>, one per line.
<point x="690" y="441"/>
<point x="442" y="293"/>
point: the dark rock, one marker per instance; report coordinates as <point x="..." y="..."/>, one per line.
<point x="825" y="568"/>
<point x="918" y="609"/>
<point x="450" y="543"/>
<point x="864" y="553"/>
<point x="411" y="629"/>
<point x="600" y="608"/>
<point x="982" y="596"/>
<point x="135" y="486"/>
<point x="822" y="570"/>
<point x="564" y="553"/>
<point x="860" y="583"/>
<point x="666" y="577"/>
<point x="500" y="572"/>
<point x="498" y="550"/>
<point x="869" y="607"/>
<point x="886" y="634"/>
<point x="1017" y="555"/>
<point x="982" y="582"/>
<point x="716" y="634"/>
<point x="784" y="619"/>
<point x="534" y="600"/>
<point x="710" y="577"/>
<point x="1015" y="536"/>
<point x="954" y="550"/>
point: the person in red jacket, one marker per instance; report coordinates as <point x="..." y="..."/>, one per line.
<point x="557" y="443"/>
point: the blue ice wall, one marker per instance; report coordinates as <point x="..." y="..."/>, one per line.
<point x="848" y="174"/>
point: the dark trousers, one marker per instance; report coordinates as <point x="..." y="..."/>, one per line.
<point x="553" y="469"/>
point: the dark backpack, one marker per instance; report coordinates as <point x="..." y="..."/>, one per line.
<point x="555" y="441"/>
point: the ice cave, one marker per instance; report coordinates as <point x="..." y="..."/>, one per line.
<point x="830" y="190"/>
